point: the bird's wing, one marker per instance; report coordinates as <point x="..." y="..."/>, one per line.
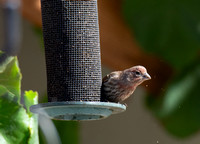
<point x="112" y="75"/>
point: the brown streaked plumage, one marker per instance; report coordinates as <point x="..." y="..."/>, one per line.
<point x="119" y="85"/>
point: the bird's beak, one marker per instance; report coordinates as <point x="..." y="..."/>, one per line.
<point x="146" y="76"/>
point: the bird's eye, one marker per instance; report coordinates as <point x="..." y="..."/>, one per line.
<point x="137" y="73"/>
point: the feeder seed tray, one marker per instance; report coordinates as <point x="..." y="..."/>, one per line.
<point x="78" y="110"/>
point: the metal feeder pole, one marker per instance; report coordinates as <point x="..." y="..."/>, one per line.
<point x="72" y="50"/>
<point x="12" y="31"/>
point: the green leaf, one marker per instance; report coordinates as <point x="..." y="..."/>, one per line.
<point x="31" y="98"/>
<point x="167" y="28"/>
<point x="10" y="76"/>
<point x="14" y="121"/>
<point x="179" y="108"/>
<point x="5" y="63"/>
<point x="16" y="124"/>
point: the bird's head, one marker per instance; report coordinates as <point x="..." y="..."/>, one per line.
<point x="137" y="74"/>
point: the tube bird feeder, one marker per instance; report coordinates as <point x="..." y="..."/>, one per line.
<point x="72" y="51"/>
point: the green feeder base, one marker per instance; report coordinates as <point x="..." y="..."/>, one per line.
<point x="77" y="110"/>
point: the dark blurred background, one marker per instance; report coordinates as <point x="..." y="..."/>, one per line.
<point x="164" y="36"/>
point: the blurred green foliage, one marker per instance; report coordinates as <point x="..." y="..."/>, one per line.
<point x="179" y="107"/>
<point x="168" y="28"/>
<point x="171" y="30"/>
<point x="17" y="124"/>
<point x="68" y="131"/>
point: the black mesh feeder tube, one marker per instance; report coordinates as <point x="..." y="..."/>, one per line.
<point x="72" y="50"/>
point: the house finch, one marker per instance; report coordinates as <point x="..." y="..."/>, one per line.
<point x="119" y="85"/>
